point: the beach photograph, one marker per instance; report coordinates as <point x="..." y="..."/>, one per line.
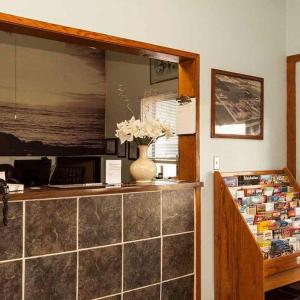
<point x="52" y="97"/>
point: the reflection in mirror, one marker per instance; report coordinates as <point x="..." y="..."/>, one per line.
<point x="61" y="99"/>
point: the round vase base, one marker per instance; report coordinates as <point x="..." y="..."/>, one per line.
<point x="143" y="181"/>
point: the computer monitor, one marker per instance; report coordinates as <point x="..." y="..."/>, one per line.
<point x="32" y="172"/>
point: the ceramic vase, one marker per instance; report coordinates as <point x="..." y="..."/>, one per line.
<point x="143" y="170"/>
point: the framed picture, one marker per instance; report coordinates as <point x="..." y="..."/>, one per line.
<point x="237" y="105"/>
<point x="121" y="149"/>
<point x="78" y="132"/>
<point x="111" y="146"/>
<point x="161" y="70"/>
<point x="133" y="151"/>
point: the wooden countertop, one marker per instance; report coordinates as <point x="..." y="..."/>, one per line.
<point x="53" y="193"/>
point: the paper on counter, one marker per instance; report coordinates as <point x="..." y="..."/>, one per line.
<point x="186" y="117"/>
<point x="113" y="171"/>
<point x="2" y="175"/>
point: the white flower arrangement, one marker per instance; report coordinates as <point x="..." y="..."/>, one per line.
<point x="142" y="132"/>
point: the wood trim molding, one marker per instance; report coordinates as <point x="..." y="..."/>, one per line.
<point x="59" y="32"/>
<point x="189" y="65"/>
<point x="291" y="112"/>
<point x="293" y="58"/>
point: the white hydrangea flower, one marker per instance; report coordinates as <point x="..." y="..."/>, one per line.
<point x="143" y="133"/>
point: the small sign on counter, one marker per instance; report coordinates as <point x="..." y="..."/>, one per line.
<point x="113" y="171"/>
<point x="2" y="175"/>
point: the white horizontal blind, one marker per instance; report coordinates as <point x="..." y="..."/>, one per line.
<point x="163" y="108"/>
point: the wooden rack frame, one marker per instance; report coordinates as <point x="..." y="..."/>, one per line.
<point x="291" y="112"/>
<point x="240" y="270"/>
<point x="189" y="66"/>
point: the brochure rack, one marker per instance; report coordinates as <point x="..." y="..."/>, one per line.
<point x="245" y="266"/>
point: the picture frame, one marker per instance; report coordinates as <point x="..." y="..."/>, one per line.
<point x="133" y="151"/>
<point x="161" y="70"/>
<point x="121" y="149"/>
<point x="237" y="105"/>
<point x="111" y="146"/>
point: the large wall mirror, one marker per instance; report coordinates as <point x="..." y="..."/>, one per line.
<point x="65" y="98"/>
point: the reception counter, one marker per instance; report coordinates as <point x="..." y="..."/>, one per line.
<point x="135" y="241"/>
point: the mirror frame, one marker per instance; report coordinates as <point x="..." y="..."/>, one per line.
<point x="188" y="85"/>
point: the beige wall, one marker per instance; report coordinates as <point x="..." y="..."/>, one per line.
<point x="235" y="35"/>
<point x="293" y="26"/>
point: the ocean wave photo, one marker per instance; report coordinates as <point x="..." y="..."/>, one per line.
<point x="45" y="108"/>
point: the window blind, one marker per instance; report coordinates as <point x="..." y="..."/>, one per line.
<point x="163" y="108"/>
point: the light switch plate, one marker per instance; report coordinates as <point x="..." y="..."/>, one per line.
<point x="298" y="260"/>
<point x="216" y="163"/>
<point x="2" y="175"/>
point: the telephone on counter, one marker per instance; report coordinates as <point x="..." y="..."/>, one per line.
<point x="6" y="173"/>
<point x="4" y="191"/>
<point x="8" y="170"/>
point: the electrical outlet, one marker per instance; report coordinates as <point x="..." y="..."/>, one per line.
<point x="216" y="163"/>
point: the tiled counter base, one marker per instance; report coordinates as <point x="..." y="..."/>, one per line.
<point x="122" y="246"/>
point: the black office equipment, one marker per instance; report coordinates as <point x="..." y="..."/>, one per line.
<point x="32" y="172"/>
<point x="77" y="170"/>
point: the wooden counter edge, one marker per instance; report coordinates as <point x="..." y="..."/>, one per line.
<point x="54" y="193"/>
